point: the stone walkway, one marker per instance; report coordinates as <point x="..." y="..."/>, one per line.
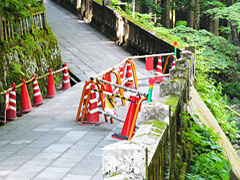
<point x="85" y="50"/>
<point x="47" y="143"/>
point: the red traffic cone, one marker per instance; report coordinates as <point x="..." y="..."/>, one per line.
<point x="108" y="86"/>
<point x="128" y="121"/>
<point x="37" y="96"/>
<point x="174" y="64"/>
<point x="25" y="100"/>
<point x="51" y="91"/>
<point x="129" y="76"/>
<point x="66" y="81"/>
<point x="159" y="70"/>
<point x="11" y="114"/>
<point x="149" y="64"/>
<point x="93" y="115"/>
<point x="85" y="99"/>
<point x="121" y="72"/>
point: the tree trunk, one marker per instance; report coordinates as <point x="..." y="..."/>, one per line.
<point x="173" y="16"/>
<point x="234" y="32"/>
<point x="238" y="60"/>
<point x="196" y="23"/>
<point x="214" y="25"/>
<point x="168" y="15"/>
<point x="190" y="18"/>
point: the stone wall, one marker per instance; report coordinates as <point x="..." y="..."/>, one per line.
<point x="26" y="55"/>
<point x="157" y="151"/>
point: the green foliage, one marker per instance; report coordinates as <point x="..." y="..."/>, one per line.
<point x="155" y="8"/>
<point x="224" y="31"/>
<point x="215" y="53"/>
<point x="214" y="60"/>
<point x="186" y="5"/>
<point x="210" y="166"/>
<point x="212" y="97"/>
<point x="208" y="161"/>
<point x="181" y="23"/>
<point x="116" y="4"/>
<point x="17" y="8"/>
<point x="16" y="68"/>
<point x="145" y="18"/>
<point x="231" y="13"/>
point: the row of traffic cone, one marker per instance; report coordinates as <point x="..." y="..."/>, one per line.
<point x="26" y="106"/>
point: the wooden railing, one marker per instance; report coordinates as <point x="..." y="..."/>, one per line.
<point x="9" y="29"/>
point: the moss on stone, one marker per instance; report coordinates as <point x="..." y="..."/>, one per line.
<point x="98" y="1"/>
<point x="115" y="174"/>
<point x="158" y="124"/>
<point x="177" y="80"/>
<point x="26" y="55"/>
<point x="172" y="100"/>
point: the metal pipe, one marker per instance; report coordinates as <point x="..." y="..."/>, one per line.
<point x="110" y="69"/>
<point x="152" y="55"/>
<point x="115" y="117"/>
<point x="148" y="77"/>
<point x="124" y="88"/>
<point x="130" y="57"/>
<point x="112" y="116"/>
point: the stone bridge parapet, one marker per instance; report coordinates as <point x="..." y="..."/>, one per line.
<point x="156" y="151"/>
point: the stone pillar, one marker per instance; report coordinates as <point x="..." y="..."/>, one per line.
<point x="192" y="49"/>
<point x="173" y="87"/>
<point x="107" y="2"/>
<point x="155" y="111"/>
<point x="124" y="159"/>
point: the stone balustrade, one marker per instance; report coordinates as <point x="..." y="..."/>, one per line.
<point x="156" y="150"/>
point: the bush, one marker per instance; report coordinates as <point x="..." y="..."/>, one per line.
<point x="208" y="161"/>
<point x="181" y="23"/>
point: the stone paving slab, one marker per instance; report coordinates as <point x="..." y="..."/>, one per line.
<point x="52" y="150"/>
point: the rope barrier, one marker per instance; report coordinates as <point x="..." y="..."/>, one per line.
<point x="58" y="70"/>
<point x="30" y="80"/>
<point x="232" y="110"/>
<point x="40" y="77"/>
<point x="5" y="91"/>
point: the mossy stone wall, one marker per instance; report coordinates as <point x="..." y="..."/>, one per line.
<point x="27" y="55"/>
<point x="167" y="151"/>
